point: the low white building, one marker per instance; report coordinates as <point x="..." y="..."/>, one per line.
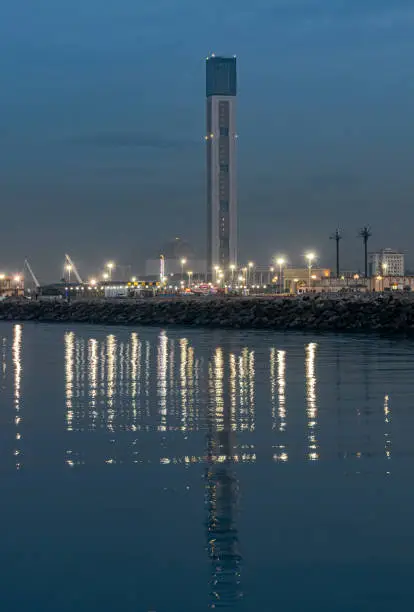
<point x="387" y="263"/>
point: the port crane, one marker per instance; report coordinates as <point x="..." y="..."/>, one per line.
<point x="74" y="268"/>
<point x="28" y="267"/>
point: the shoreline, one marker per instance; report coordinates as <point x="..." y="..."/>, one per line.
<point x="391" y="314"/>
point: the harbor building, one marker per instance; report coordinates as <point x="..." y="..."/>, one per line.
<point x="387" y="263"/>
<point x="221" y="90"/>
<point x="11" y="286"/>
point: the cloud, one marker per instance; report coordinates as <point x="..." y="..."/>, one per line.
<point x="129" y="139"/>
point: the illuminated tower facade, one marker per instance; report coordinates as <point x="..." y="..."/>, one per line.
<point x="221" y="90"/>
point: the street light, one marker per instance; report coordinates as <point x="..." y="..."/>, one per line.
<point x="68" y="269"/>
<point x="310" y="257"/>
<point x="92" y="282"/>
<point x="17" y="280"/>
<point x="384" y="266"/>
<point x="183" y="262"/>
<point x="216" y="270"/>
<point x="232" y="268"/>
<point x="271" y="270"/>
<point x="105" y="276"/>
<point x="190" y="274"/>
<point x="250" y="266"/>
<point x="110" y="265"/>
<point x="280" y="262"/>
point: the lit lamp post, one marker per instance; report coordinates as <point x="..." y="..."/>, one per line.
<point x="232" y="269"/>
<point x="310" y="257"/>
<point x="17" y="280"/>
<point x="245" y="275"/>
<point x="295" y="281"/>
<point x="280" y="262"/>
<point x="384" y="272"/>
<point x="190" y="274"/>
<point x="271" y="270"/>
<point x="68" y="269"/>
<point x="379" y="279"/>
<point x="216" y="270"/>
<point x="183" y="262"/>
<point x="105" y="276"/>
<point x="250" y="266"/>
<point x="110" y="265"/>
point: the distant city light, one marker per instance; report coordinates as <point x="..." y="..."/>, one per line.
<point x="110" y="265"/>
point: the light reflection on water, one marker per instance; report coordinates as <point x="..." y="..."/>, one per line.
<point x="17" y="363"/>
<point x="111" y="386"/>
<point x="222" y="406"/>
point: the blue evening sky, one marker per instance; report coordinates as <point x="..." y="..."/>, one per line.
<point x="102" y="124"/>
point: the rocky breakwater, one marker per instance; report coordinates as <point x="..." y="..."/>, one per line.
<point x="366" y="313"/>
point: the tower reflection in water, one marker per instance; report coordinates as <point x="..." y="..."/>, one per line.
<point x="222" y="488"/>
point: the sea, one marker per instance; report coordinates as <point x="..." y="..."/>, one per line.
<point x="172" y="470"/>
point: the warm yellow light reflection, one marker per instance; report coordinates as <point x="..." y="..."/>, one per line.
<point x="17" y="364"/>
<point x="312" y="411"/>
<point x="281" y="383"/>
<point x="183" y="383"/>
<point x="111" y="373"/>
<point x="387" y="421"/>
<point x="93" y="360"/>
<point x="162" y="365"/>
<point x="69" y="375"/>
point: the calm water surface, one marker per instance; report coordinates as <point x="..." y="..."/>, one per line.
<point x="181" y="470"/>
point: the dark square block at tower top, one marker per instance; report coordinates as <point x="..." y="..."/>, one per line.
<point x="221" y="76"/>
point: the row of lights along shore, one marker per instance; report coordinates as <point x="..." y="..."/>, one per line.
<point x="237" y="277"/>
